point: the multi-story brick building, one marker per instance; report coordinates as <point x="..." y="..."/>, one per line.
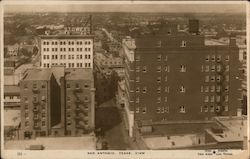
<point x="176" y="77"/>
<point x="71" y="51"/>
<point x="79" y="101"/>
<point x="57" y="102"/>
<point x="40" y="103"/>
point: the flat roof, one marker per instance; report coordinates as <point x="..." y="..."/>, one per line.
<point x="12" y="117"/>
<point x="38" y="74"/>
<point x="235" y="129"/>
<point x="164" y="142"/>
<point x="11" y="90"/>
<point x="66" y="36"/>
<point x="87" y="142"/>
<point x="79" y="74"/>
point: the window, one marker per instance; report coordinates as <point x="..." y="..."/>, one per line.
<point x="86" y="85"/>
<point x="144" y="69"/>
<point x="226" y="88"/>
<point x="158" y="57"/>
<point x="205" y="108"/>
<point x="43" y="123"/>
<point x="26" y="123"/>
<point x="183" y="68"/>
<point x="159" y="90"/>
<point x="212" y="89"/>
<point x="182" y="109"/>
<point x="226" y="108"/>
<point x="213" y="68"/>
<point x="226" y="98"/>
<point x="158" y="68"/>
<point x="137" y="110"/>
<point x="206" y="99"/>
<point x="183" y="43"/>
<point x="166" y="109"/>
<point x="137" y="79"/>
<point x="218" y="88"/>
<point x="158" y="100"/>
<point x="218" y="98"/>
<point x="182" y="89"/>
<point x="207" y="78"/>
<point x="218" y="78"/>
<point x="167" y="69"/>
<point x="137" y="90"/>
<point x="227" y="58"/>
<point x="158" y="110"/>
<point x="166" y="58"/>
<point x="166" y="78"/>
<point x="201" y="88"/>
<point x="212" y="78"/>
<point x="207" y="58"/>
<point x="77" y="85"/>
<point x="212" y="99"/>
<point x="218" y="58"/>
<point x="213" y="58"/>
<point x="44" y="57"/>
<point x="167" y="89"/>
<point x="211" y="108"/>
<point x="218" y="68"/>
<point x="144" y="90"/>
<point x="137" y="100"/>
<point x="227" y="68"/>
<point x="217" y="108"/>
<point x="159" y="79"/>
<point x="207" y="68"/>
<point x="137" y="69"/>
<point x="166" y="99"/>
<point x="227" y="78"/>
<point x="68" y="85"/>
<point x="144" y="110"/>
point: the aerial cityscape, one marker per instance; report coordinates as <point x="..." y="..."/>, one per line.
<point x="125" y="80"/>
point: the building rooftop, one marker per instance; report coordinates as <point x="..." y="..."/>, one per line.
<point x="79" y="74"/>
<point x="65" y="36"/>
<point x="87" y="142"/>
<point x="234" y="129"/>
<point x="11" y="90"/>
<point x="12" y="117"/>
<point x="37" y="74"/>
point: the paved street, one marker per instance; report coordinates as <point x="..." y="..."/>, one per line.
<point x="109" y="119"/>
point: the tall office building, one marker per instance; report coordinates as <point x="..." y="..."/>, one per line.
<point x="57" y="102"/>
<point x="176" y="77"/>
<point x="71" y="51"/>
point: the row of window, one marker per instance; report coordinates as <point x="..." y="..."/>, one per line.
<point x="182" y="109"/>
<point x="86" y="98"/>
<point x="55" y="57"/>
<point x="216" y="78"/>
<point x="64" y="42"/>
<point x="215" y="99"/>
<point x="208" y="58"/>
<point x="213" y="88"/>
<point x="213" y="108"/>
<point x="214" y="68"/>
<point x="70" y="65"/>
<point x="181" y="89"/>
<point x="143" y="110"/>
<point x="36" y="124"/>
<point x="77" y="85"/>
<point x="217" y="58"/>
<point x="64" y="49"/>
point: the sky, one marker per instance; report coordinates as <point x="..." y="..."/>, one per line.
<point x="130" y="6"/>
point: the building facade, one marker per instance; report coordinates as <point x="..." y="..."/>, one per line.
<point x="71" y="51"/>
<point x="11" y="97"/>
<point x="57" y="102"/>
<point x="176" y="77"/>
<point x="40" y="104"/>
<point x="79" y="102"/>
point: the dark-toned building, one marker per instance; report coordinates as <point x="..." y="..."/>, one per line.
<point x="57" y="102"/>
<point x="175" y="77"/>
<point x="79" y="101"/>
<point x="40" y="103"/>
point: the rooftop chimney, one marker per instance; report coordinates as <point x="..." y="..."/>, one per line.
<point x="194" y="26"/>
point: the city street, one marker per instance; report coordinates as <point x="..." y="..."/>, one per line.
<point x="109" y="119"/>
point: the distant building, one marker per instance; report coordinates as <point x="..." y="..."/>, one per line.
<point x="71" y="51"/>
<point x="176" y="77"/>
<point x="57" y="102"/>
<point x="13" y="50"/>
<point x="11" y="97"/>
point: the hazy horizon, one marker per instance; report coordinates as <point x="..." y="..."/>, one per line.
<point x="126" y="8"/>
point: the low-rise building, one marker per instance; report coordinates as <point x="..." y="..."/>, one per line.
<point x="11" y="97"/>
